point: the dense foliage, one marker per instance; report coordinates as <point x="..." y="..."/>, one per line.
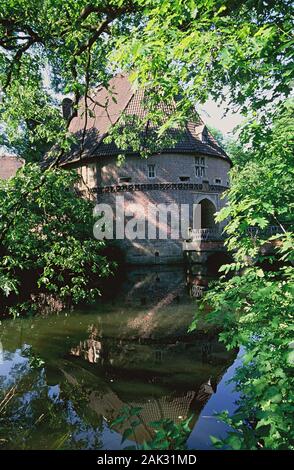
<point x="255" y="307"/>
<point x="48" y="246"/>
<point x="166" y="435"/>
<point x="255" y="310"/>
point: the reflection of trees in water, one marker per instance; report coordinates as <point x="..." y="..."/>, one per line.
<point x="38" y="416"/>
<point x="70" y="414"/>
<point x="92" y="371"/>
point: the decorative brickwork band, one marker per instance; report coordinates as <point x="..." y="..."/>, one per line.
<point x="158" y="187"/>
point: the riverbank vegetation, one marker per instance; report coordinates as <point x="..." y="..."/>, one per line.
<point x="255" y="307"/>
<point x="240" y="52"/>
<point x="47" y="248"/>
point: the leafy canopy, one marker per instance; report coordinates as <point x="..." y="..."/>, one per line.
<point x="255" y="307"/>
<point x="48" y="246"/>
<point x="185" y="48"/>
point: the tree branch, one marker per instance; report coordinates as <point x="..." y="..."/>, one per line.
<point x="12" y="24"/>
<point x="110" y="11"/>
<point x="16" y="61"/>
<point x="102" y="27"/>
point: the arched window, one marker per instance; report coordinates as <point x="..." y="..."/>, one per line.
<point x="207" y="214"/>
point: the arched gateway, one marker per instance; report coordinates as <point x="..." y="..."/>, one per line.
<point x="208" y="211"/>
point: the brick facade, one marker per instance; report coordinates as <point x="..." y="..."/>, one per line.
<point x="103" y="173"/>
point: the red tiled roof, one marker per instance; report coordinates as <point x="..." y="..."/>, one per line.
<point x="107" y="105"/>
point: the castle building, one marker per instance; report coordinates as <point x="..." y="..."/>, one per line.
<point x="193" y="170"/>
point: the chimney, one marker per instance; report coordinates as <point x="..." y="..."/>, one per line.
<point x="67" y="108"/>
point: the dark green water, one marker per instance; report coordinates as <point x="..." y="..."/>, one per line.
<point x="67" y="376"/>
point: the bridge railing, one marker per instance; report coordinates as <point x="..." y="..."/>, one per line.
<point x="215" y="234"/>
<point x="205" y="234"/>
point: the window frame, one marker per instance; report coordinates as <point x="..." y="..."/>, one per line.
<point x="200" y="166"/>
<point x="149" y="166"/>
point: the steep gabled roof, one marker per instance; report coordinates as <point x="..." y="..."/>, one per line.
<point x="106" y="107"/>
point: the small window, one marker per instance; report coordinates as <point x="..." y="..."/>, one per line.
<point x="151" y="171"/>
<point x="218" y="181"/>
<point x="89" y="174"/>
<point x="125" y="179"/>
<point x="184" y="178"/>
<point x="200" y="168"/>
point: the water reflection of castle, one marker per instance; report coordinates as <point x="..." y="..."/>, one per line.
<point x="128" y="352"/>
<point x="168" y="380"/>
<point x="165" y="284"/>
<point x="164" y="372"/>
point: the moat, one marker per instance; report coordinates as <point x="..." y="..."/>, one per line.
<point x="66" y="376"/>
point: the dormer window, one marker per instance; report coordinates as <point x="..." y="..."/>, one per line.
<point x="151" y="171"/>
<point x="201" y="133"/>
<point x="200" y="167"/>
<point x="218" y="181"/>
